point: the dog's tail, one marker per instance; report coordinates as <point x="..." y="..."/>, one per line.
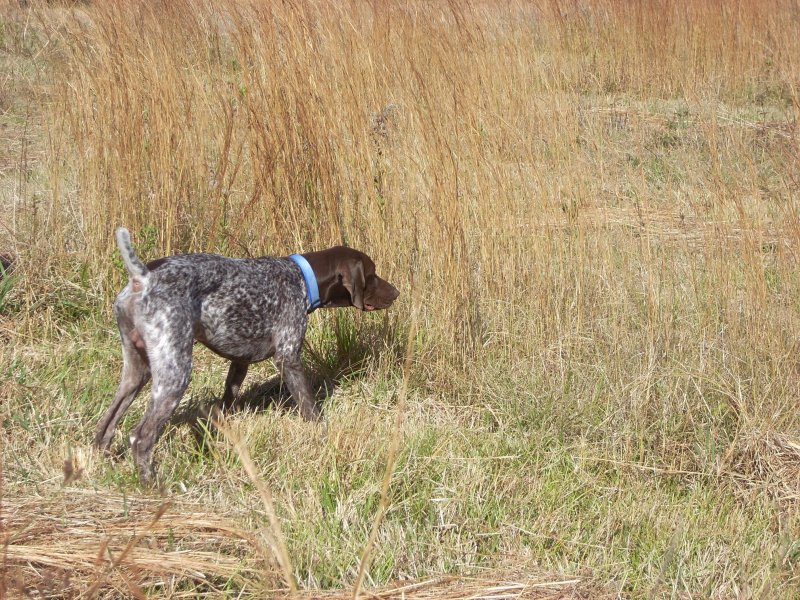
<point x="135" y="267"/>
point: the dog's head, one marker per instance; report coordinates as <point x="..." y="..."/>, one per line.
<point x="346" y="277"/>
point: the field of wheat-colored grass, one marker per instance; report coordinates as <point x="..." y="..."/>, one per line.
<point x="589" y="386"/>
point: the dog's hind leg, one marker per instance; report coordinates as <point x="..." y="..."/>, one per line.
<point x="135" y="375"/>
<point x="171" y="365"/>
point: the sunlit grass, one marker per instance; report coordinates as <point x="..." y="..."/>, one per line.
<point x="596" y="204"/>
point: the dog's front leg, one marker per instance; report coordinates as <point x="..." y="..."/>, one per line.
<point x="291" y="368"/>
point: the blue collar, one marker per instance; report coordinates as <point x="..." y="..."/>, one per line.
<point x="310" y="279"/>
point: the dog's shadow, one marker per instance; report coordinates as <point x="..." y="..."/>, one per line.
<point x="201" y="411"/>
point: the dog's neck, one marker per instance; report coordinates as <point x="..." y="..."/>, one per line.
<point x="312" y="288"/>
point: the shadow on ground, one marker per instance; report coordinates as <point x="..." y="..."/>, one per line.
<point x="198" y="413"/>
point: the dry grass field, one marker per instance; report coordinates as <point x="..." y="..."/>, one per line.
<point x="589" y="387"/>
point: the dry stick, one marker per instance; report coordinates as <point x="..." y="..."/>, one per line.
<point x="277" y="542"/>
<point x="392" y="454"/>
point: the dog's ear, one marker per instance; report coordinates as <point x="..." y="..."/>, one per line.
<point x="353" y="281"/>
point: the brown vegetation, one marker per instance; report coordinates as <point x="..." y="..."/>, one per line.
<point x="597" y="205"/>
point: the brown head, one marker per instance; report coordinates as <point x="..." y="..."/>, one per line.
<point x="346" y="277"/>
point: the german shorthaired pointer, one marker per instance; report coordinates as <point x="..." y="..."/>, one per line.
<point x="245" y="310"/>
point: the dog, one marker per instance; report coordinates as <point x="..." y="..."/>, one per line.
<point x="245" y="310"/>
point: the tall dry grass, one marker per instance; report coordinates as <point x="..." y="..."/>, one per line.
<point x="508" y="154"/>
<point x="598" y="202"/>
